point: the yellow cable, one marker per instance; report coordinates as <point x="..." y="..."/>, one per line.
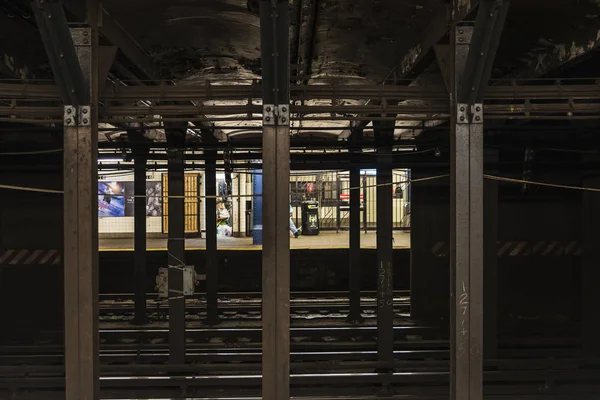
<point x="429" y="178"/>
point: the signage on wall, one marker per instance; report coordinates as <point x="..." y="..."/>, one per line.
<point x="310" y="188"/>
<point x="116" y="199"/>
<point x="111" y="199"/>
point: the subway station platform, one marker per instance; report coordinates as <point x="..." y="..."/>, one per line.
<point x="325" y="240"/>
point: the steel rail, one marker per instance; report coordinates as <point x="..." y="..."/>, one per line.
<point x="301" y="92"/>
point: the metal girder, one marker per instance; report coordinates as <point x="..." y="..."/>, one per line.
<point x="507" y="91"/>
<point x="212" y="260"/>
<point x="484" y="44"/>
<point x="274" y="33"/>
<point x="119" y="37"/>
<point x="308" y="23"/>
<point x="466" y="234"/>
<point x="417" y="58"/>
<point x="137" y="56"/>
<point x="354" y="236"/>
<point x="384" y="137"/>
<point x="54" y="29"/>
<point x="81" y="223"/>
<point x="140" y="157"/>
<point x="176" y="245"/>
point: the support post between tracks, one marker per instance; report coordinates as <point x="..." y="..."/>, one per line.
<point x="81" y="224"/>
<point x="176" y="245"/>
<point x="139" y="216"/>
<point x="212" y="260"/>
<point x="275" y="51"/>
<point x="384" y="136"/>
<point x="354" y="256"/>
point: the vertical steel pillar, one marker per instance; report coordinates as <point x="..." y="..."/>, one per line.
<point x="466" y="233"/>
<point x="176" y="247"/>
<point x="257" y="201"/>
<point x="490" y="254"/>
<point x="139" y="216"/>
<point x="274" y="29"/>
<point x="338" y="211"/>
<point x="81" y="229"/>
<point x="212" y="261"/>
<point x="385" y="278"/>
<point x="590" y="273"/>
<point x="365" y="212"/>
<point x="354" y="266"/>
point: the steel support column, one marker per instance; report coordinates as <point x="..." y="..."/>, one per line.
<point x="81" y="228"/>
<point x="176" y="247"/>
<point x="466" y="235"/>
<point x="274" y="28"/>
<point x="354" y="266"/>
<point x="473" y="50"/>
<point x="212" y="260"/>
<point x="139" y="216"/>
<point x="385" y="279"/>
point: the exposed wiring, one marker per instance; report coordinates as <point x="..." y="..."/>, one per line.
<point x="429" y="178"/>
<point x="22" y="153"/>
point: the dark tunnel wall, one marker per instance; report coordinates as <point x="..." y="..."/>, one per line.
<point x="31" y="234"/>
<point x="538" y="252"/>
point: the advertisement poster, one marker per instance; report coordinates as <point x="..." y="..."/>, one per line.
<point x="111" y="199"/>
<point x="154" y="200"/>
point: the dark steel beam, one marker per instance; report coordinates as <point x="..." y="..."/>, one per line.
<point x="308" y="21"/>
<point x="384" y="136"/>
<point x="354" y="244"/>
<point x="118" y="36"/>
<point x="176" y="246"/>
<point x="81" y="219"/>
<point x="466" y="233"/>
<point x="212" y="259"/>
<point x="54" y="29"/>
<point x="354" y="239"/>
<point x="501" y="91"/>
<point x="421" y="54"/>
<point x="274" y="33"/>
<point x="484" y="44"/>
<point x="140" y="259"/>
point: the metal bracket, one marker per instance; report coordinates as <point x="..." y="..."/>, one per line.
<point x="269" y="114"/>
<point x="85" y="116"/>
<point x="283" y="114"/>
<point x="189" y="281"/>
<point x="462" y="116"/>
<point x="464" y="34"/>
<point x="472" y="114"/>
<point x="81" y="36"/>
<point x="70" y="116"/>
<point x="477" y="113"/>
<point x="77" y="116"/>
<point x="276" y="115"/>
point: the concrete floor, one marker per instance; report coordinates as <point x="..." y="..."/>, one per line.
<point x="325" y="240"/>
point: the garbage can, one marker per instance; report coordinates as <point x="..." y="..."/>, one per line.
<point x="310" y="217"/>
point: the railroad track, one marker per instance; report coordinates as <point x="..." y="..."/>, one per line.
<point x="251" y="308"/>
<point x="248" y="305"/>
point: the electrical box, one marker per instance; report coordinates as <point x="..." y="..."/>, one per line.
<point x="189" y="282"/>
